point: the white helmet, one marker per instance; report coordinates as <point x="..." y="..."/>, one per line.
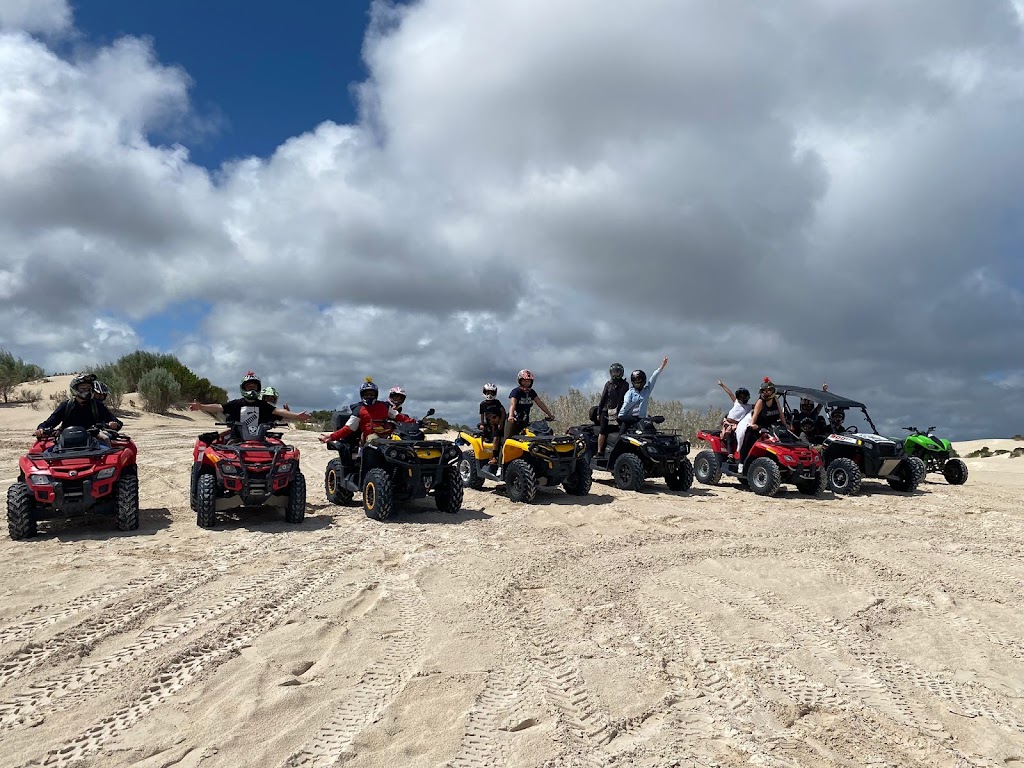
<point x="490" y="391"/>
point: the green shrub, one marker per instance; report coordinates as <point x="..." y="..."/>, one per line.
<point x="15" y="371"/>
<point x="159" y="390"/>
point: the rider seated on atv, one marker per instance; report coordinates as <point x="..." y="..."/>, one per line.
<point x="740" y="407"/>
<point x="638" y="399"/>
<point x="364" y="416"/>
<point x="251" y="388"/>
<point x="270" y="395"/>
<point x="82" y="410"/>
<point x="520" y="401"/>
<point x="492" y="419"/>
<point x="767" y="413"/>
<point x="614" y="393"/>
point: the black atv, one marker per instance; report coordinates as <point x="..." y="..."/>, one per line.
<point x="643" y="451"/>
<point x="850" y="456"/>
<point x="400" y="465"/>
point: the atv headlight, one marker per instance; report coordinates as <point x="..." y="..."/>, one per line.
<point x="283" y="467"/>
<point x="227" y="469"/>
<point x="40" y="479"/>
<point x="788" y="459"/>
<point x="103" y="474"/>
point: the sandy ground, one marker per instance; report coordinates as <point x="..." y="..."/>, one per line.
<point x="710" y="628"/>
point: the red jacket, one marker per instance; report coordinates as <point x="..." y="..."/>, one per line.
<point x="364" y="419"/>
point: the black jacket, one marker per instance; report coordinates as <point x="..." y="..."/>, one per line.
<point x="613" y="394"/>
<point x="75" y="414"/>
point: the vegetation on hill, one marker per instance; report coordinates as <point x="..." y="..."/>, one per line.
<point x="15" y="371"/>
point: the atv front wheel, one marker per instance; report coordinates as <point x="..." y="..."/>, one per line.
<point x="955" y="472"/>
<point x="764" y="477"/>
<point x="378" y="496"/>
<point x="906" y="478"/>
<point x="449" y="492"/>
<point x="521" y="481"/>
<point x="682" y="478"/>
<point x="128" y="502"/>
<point x="193" y="485"/>
<point x="628" y="472"/>
<point x="707" y="468"/>
<point x="467" y="469"/>
<point x="844" y="477"/>
<point x="206" y="501"/>
<point x="582" y="478"/>
<point x="920" y="469"/>
<point x="295" y="512"/>
<point x="21" y="522"/>
<point x="814" y="486"/>
<point x="334" y="483"/>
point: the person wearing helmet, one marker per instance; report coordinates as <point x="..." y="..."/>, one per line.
<point x="740" y="407"/>
<point x="520" y="401"/>
<point x="81" y="410"/>
<point x="612" y="395"/>
<point x="367" y="416"/>
<point x="270" y="395"/>
<point x="492" y="419"/>
<point x="100" y="392"/>
<point x="251" y="388"/>
<point x="396" y="396"/>
<point x="638" y="399"/>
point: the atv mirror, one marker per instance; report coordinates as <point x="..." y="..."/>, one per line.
<point x="430" y="412"/>
<point x="931" y="429"/>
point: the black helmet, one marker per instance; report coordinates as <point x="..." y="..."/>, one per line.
<point x="638" y="378"/>
<point x="616" y="370"/>
<point x="78" y="381"/>
<point x="368" y="392"/>
<point x="743" y="392"/>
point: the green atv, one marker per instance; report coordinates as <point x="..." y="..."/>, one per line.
<point x="936" y="453"/>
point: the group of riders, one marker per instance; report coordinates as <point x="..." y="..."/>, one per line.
<point x="744" y="422"/>
<point x="621" y="405"/>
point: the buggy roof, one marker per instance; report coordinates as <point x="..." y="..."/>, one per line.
<point x="830" y="399"/>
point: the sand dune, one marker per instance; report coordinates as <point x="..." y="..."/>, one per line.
<point x="633" y="629"/>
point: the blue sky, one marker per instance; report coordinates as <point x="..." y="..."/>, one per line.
<point x="261" y="71"/>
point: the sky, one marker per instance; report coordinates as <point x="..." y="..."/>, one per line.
<point x="439" y="193"/>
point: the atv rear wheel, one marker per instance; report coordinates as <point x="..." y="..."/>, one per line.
<point x="21" y="522"/>
<point x="682" y="478"/>
<point x="955" y="472"/>
<point x="334" y="483"/>
<point x="378" y="495"/>
<point x="628" y="472"/>
<point x="206" y="501"/>
<point x="295" y="512"/>
<point x="521" y="481"/>
<point x="906" y="477"/>
<point x="449" y="492"/>
<point x="467" y="469"/>
<point x="128" y="502"/>
<point x="844" y="477"/>
<point x="707" y="468"/>
<point x="764" y="477"/>
<point x="582" y="478"/>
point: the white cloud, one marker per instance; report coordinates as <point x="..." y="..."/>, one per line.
<point x="45" y="16"/>
<point x="821" y="190"/>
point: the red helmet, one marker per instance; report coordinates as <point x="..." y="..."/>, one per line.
<point x="524" y="374"/>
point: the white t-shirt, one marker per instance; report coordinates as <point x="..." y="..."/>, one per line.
<point x="739" y="410"/>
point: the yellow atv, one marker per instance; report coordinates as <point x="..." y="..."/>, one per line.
<point x="536" y="457"/>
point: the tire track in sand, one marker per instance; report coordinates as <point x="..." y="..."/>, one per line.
<point x="93" y="679"/>
<point x="195" y="661"/>
<point x="401" y="651"/>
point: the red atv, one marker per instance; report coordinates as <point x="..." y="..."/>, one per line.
<point x="247" y="466"/>
<point x="69" y="473"/>
<point x="777" y="457"/>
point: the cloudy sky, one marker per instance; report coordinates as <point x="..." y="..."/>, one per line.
<point x="443" y="192"/>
